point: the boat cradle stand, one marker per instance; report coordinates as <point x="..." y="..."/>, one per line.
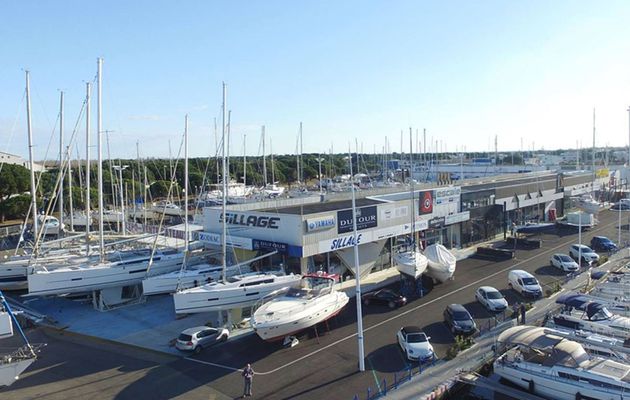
<point x="116" y="297"/>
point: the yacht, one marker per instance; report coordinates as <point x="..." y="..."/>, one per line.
<point x="121" y="268"/>
<point x="314" y="301"/>
<point x="237" y="291"/>
<point x="441" y="262"/>
<point x="556" y="368"/>
<point x="588" y="204"/>
<point x="272" y="190"/>
<point x="595" y="344"/>
<point x="592" y="317"/>
<point x="411" y="262"/>
<point x="167" y="208"/>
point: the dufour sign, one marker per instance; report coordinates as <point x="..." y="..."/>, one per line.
<point x="366" y="218"/>
<point x="319" y="224"/>
<point x="257" y="221"/>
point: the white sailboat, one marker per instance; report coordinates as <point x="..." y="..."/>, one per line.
<point x="557" y="368"/>
<point x="440" y="262"/>
<point x="315" y="301"/>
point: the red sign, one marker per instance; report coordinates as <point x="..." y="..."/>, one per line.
<point x="426" y="202"/>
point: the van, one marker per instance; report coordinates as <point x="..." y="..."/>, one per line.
<point x="524" y="283"/>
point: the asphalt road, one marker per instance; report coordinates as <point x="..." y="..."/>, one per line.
<point x="320" y="367"/>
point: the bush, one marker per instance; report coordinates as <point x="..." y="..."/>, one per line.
<point x="461" y="343"/>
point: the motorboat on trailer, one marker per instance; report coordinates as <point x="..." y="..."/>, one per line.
<point x="588" y="204"/>
<point x="121" y="268"/>
<point x="579" y="300"/>
<point x="237" y="291"/>
<point x="295" y="309"/>
<point x="411" y="262"/>
<point x="557" y="368"/>
<point x="167" y="208"/>
<point x="592" y="317"/>
<point x="440" y="262"/>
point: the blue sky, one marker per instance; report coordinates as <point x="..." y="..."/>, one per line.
<point x="464" y="70"/>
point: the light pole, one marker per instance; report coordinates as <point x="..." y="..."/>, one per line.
<point x="120" y="169"/>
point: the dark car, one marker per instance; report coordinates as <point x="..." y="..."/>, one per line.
<point x="384" y="296"/>
<point x="459" y="320"/>
<point x="602" y="243"/>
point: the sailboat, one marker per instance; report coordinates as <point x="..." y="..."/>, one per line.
<point x="12" y="365"/>
<point x="315" y="301"/>
<point x="409" y="259"/>
<point x="441" y="262"/>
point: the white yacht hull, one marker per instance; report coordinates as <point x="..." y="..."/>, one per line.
<point x="113" y="274"/>
<point x="552" y="387"/>
<point x="296" y="317"/>
<point x="10" y="372"/>
<point x="170" y="282"/>
<point x="220" y="296"/>
<point x="408" y="263"/>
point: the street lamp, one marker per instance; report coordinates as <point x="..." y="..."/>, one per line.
<point x="120" y="169"/>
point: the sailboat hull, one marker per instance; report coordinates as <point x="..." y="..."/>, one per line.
<point x="10" y="372"/>
<point x="411" y="263"/>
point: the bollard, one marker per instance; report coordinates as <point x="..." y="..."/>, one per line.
<point x="369" y="393"/>
<point x="384" y="387"/>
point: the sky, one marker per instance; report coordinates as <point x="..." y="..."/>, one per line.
<point x="351" y="71"/>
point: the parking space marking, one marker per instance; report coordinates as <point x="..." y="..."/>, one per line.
<point x="406" y="312"/>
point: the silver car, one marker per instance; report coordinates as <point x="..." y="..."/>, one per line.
<point x="197" y="338"/>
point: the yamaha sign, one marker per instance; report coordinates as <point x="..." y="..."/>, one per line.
<point x="366" y="218"/>
<point x="319" y="224"/>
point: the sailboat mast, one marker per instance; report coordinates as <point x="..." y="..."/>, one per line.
<point x="227" y="157"/>
<point x="301" y="156"/>
<point x="99" y="129"/>
<point x="224" y="222"/>
<point x="30" y="151"/>
<point x="186" y="184"/>
<point x="70" y="206"/>
<point x="273" y="165"/>
<point x="411" y="188"/>
<point x="245" y="159"/>
<point x="593" y="157"/>
<point x="61" y="160"/>
<point x="87" y="168"/>
<point x="264" y="158"/>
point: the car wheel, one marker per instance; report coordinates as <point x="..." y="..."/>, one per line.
<point x="224" y="338"/>
<point x="197" y="350"/>
<point x="391" y="304"/>
<point x="453" y="331"/>
<point x="510" y="285"/>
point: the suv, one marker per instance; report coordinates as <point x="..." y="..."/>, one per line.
<point x="602" y="243"/>
<point x="588" y="255"/>
<point x="459" y="320"/>
<point x="195" y="339"/>
<point x="524" y="283"/>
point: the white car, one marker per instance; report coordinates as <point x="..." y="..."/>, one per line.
<point x="564" y="262"/>
<point x="588" y="255"/>
<point x="491" y="298"/>
<point x="200" y="337"/>
<point x="415" y="344"/>
<point x="524" y="283"/>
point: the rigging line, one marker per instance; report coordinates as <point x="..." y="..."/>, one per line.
<point x="12" y="131"/>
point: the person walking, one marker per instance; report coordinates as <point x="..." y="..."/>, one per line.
<point x="248" y="376"/>
<point x="523" y="312"/>
<point x="515" y="311"/>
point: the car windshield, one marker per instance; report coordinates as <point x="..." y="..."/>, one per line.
<point x="529" y="281"/>
<point x="416" y="338"/>
<point x="494" y="295"/>
<point x="461" y="316"/>
<point x="184" y="338"/>
<point x="565" y="258"/>
<point x="385" y="294"/>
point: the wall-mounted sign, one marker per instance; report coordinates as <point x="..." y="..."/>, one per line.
<point x="320" y="224"/>
<point x="447" y="194"/>
<point x="257" y="221"/>
<point x="436" y="222"/>
<point x="346" y="241"/>
<point x="232" y="241"/>
<point x="366" y="218"/>
<point x="426" y="202"/>
<point x="269" y="245"/>
<point x="457" y="217"/>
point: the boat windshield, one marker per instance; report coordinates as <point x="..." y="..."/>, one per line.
<point x="602" y="315"/>
<point x="416" y="338"/>
<point x="495" y="295"/>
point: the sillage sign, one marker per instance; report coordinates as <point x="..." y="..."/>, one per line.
<point x="366" y="218"/>
<point x="257" y="221"/>
<point x="319" y="224"/>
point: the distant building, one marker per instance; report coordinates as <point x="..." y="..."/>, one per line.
<point x="8" y="158"/>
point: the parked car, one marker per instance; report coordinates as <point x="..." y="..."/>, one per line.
<point x="459" y="320"/>
<point x="602" y="243"/>
<point x="491" y="298"/>
<point x="200" y="337"/>
<point x="524" y="283"/>
<point x="415" y="344"/>
<point x="588" y="255"/>
<point x="564" y="262"/>
<point x="384" y="296"/>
